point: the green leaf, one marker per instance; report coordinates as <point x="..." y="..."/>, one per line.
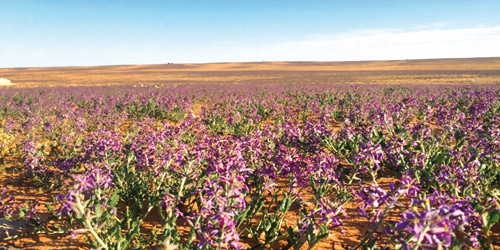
<point x="23" y="211"/>
<point x="261" y="205"/>
<point x="113" y="200"/>
<point x="98" y="210"/>
<point x="49" y="207"/>
<point x="493" y="217"/>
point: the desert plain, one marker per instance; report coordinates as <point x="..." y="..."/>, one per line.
<point x="465" y="71"/>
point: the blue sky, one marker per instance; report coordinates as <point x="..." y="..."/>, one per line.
<point x="92" y="32"/>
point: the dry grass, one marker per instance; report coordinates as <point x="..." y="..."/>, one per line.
<point x="432" y="71"/>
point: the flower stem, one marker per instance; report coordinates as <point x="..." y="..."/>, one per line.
<point x="87" y="221"/>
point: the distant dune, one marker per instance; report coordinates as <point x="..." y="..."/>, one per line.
<point x="428" y="71"/>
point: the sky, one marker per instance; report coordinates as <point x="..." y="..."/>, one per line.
<point x="92" y="32"/>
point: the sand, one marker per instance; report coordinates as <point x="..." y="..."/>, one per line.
<point x="432" y="71"/>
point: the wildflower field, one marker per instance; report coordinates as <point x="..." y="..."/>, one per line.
<point x="249" y="166"/>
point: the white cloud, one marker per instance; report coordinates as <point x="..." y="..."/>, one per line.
<point x="431" y="41"/>
<point x="388" y="44"/>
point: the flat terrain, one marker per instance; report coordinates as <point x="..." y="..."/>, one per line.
<point x="437" y="71"/>
<point x="431" y="71"/>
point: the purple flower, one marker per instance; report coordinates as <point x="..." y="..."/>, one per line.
<point x="436" y="221"/>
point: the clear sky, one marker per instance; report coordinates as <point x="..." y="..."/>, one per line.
<point x="106" y="32"/>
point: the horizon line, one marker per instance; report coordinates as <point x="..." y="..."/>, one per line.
<point x="249" y="62"/>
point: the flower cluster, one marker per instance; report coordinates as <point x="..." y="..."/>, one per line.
<point x="253" y="166"/>
<point x="438" y="221"/>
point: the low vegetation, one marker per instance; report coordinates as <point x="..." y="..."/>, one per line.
<point x="256" y="167"/>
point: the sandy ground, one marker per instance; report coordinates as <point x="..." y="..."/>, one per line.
<point x="440" y="71"/>
<point x="432" y="71"/>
